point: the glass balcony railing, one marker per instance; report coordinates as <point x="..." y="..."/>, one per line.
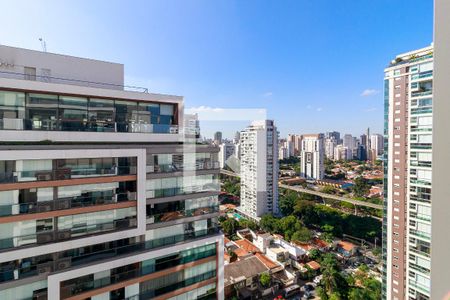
<point x="417" y="251"/>
<point x="422" y="75"/>
<point x="33" y="267"/>
<point x="421" y="234"/>
<point x="180" y="214"/>
<point x="90" y="283"/>
<point x="169" y="168"/>
<point x="416" y="163"/>
<point x="170" y="192"/>
<point x="421" y="93"/>
<point x="63" y="174"/>
<point x="420" y="182"/>
<point x="51" y="236"/>
<point x="172" y="287"/>
<point x="64" y="203"/>
<point x="420" y="216"/>
<point x="426" y="146"/>
<point x="423" y="288"/>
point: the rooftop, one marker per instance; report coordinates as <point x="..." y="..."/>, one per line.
<point x="247" y="246"/>
<point x="347" y="246"/>
<point x="242" y="269"/>
<point x="313" y="265"/>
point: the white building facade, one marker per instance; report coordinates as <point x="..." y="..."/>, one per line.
<point x="312" y="157"/>
<point x="259" y="169"/>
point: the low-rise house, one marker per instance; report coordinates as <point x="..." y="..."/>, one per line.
<point x="247" y="246"/>
<point x="295" y="252"/>
<point x="278" y="253"/>
<point x="262" y="240"/>
<point x="241" y="278"/>
<point x="314" y="266"/>
<point x="244" y="234"/>
<point x="346" y="249"/>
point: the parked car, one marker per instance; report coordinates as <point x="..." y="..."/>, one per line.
<point x="317" y="279"/>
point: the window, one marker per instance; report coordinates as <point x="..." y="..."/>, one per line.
<point x="29" y="73"/>
<point x="73" y="113"/>
<point x="41" y="112"/>
<point x="12" y="110"/>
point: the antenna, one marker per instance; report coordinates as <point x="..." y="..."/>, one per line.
<point x="43" y="44"/>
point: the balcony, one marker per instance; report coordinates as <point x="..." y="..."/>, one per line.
<point x="52" y="236"/>
<point x="420" y="216"/>
<point x="64" y="203"/>
<point x="181" y="214"/>
<point x="87" y="283"/>
<point x="421" y="234"/>
<point x="33" y="267"/>
<point x="178" y="167"/>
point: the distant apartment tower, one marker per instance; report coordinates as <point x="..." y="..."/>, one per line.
<point x="334" y="134"/>
<point x="226" y="151"/>
<point x="330" y="144"/>
<point x="99" y="193"/>
<point x="296" y="141"/>
<point x="312" y="157"/>
<point x="408" y="135"/>
<point x="377" y="143"/>
<point x="349" y="142"/>
<point x="342" y="153"/>
<point x="218" y="137"/>
<point x="259" y="169"/>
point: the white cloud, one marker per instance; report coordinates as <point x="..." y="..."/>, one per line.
<point x="319" y="109"/>
<point x="369" y="92"/>
<point x="267" y="94"/>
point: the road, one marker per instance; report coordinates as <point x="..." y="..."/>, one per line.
<point x="316" y="193"/>
<point x="328" y="196"/>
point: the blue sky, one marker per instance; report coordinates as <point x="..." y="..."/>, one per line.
<point x="314" y="65"/>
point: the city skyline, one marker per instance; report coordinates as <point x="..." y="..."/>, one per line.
<point x="239" y="58"/>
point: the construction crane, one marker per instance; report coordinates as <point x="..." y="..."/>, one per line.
<point x="43" y="44"/>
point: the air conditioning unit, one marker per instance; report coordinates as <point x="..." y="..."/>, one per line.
<point x="64" y="263"/>
<point x="40" y="294"/>
<point x="63" y="204"/>
<point x="44" y="206"/>
<point x="64" y="235"/>
<point x="45" y="267"/>
<point x="45" y="237"/>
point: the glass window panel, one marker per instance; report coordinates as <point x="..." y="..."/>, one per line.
<point x="12" y="99"/>
<point x="42" y="100"/>
<point x="101" y="103"/>
<point x="73" y="102"/>
<point x="167" y="109"/>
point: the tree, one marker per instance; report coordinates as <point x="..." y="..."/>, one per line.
<point x="302" y="235"/>
<point x="269" y="223"/>
<point x="230" y="226"/>
<point x="287" y="202"/>
<point x="315" y="254"/>
<point x="360" y="187"/>
<point x="322" y="293"/>
<point x="328" y="190"/>
<point x="264" y="279"/>
<point x="244" y="223"/>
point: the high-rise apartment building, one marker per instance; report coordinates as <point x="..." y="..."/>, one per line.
<point x="349" y="142"/>
<point x="226" y="151"/>
<point x="334" y="134"/>
<point x="330" y="144"/>
<point x="100" y="197"/>
<point x="218" y="138"/>
<point x="377" y="143"/>
<point x="312" y="157"/>
<point x="408" y="176"/>
<point x="259" y="169"/>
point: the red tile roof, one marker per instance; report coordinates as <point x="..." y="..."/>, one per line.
<point x="247" y="246"/>
<point x="313" y="265"/>
<point x="266" y="261"/>
<point x="347" y="246"/>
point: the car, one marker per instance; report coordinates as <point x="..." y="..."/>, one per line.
<point x="317" y="279"/>
<point x="309" y="287"/>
